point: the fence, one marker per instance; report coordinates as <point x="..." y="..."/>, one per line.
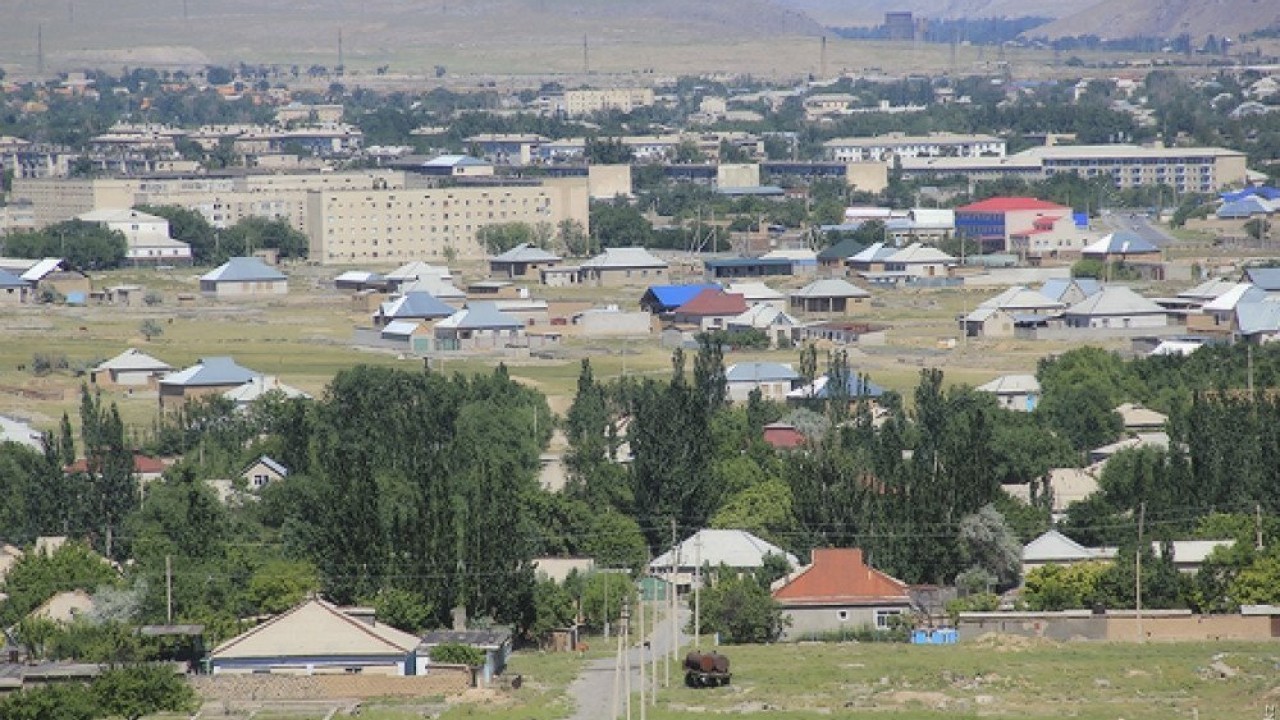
<point x="259" y="688"/>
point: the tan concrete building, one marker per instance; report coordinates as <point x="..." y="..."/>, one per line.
<point x="362" y="226"/>
<point x="585" y="102"/>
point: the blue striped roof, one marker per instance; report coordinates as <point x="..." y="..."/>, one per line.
<point x="669" y="297"/>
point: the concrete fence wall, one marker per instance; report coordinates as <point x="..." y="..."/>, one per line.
<point x="1119" y="627"/>
<point x="244" y="688"/>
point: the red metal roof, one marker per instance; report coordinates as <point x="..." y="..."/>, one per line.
<point x="142" y="465"/>
<point x="714" y="302"/>
<point x="783" y="436"/>
<point x="1008" y="204"/>
<point x="838" y="576"/>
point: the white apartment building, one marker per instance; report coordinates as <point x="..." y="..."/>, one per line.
<point x="373" y="226"/>
<point x="1198" y="169"/>
<point x="885" y="147"/>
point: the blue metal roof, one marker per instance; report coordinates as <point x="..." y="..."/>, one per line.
<point x="9" y="280"/>
<point x="1081" y="220"/>
<point x="419" y="305"/>
<point x="1266" y="278"/>
<point x="1244" y="207"/>
<point x="662" y="298"/>
<point x="1264" y="191"/>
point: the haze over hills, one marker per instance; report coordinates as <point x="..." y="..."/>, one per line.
<point x="306" y="30"/>
<point x="853" y="13"/>
<point x="1112" y="19"/>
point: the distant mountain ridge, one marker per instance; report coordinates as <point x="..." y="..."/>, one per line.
<point x="856" y="13"/>
<point x="1113" y="19"/>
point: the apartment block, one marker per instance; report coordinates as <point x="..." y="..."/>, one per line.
<point x="374" y="226"/>
<point x="586" y="102"/>
<point x="884" y="147"/>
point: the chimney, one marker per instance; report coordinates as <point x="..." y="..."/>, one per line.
<point x="460" y="618"/>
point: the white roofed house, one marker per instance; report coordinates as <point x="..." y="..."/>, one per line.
<point x="132" y="368"/>
<point x="146" y="236"/>
<point x="416" y="270"/>
<point x="258" y="387"/>
<point x="1052" y="547"/>
<point x="244" y="277"/>
<point x="757" y="293"/>
<point x="263" y="471"/>
<point x="765" y="318"/>
<point x="997" y="316"/>
<point x="623" y="266"/>
<point x="736" y="549"/>
<point x="1116" y="306"/>
<point x="412" y="306"/>
<point x="481" y="326"/>
<point x="13" y="289"/>
<point x="1014" y="392"/>
<point x="918" y="260"/>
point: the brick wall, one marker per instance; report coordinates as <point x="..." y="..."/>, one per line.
<point x="241" y="688"/>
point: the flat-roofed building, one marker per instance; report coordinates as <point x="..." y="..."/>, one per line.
<point x="1189" y="169"/>
<point x="883" y="147"/>
<point x="586" y="102"/>
<point x="363" y="226"/>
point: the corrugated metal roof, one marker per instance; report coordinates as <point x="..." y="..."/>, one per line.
<point x="9" y="280"/>
<point x="746" y="372"/>
<point x="211" y="371"/>
<point x="525" y="252"/>
<point x="622" y="258"/>
<point x="243" y="269"/>
<point x="480" y="316"/>
<point x="663" y="298"/>
<point x="133" y="359"/>
<point x="831" y="288"/>
<point x="415" y="304"/>
<point x="733" y="548"/>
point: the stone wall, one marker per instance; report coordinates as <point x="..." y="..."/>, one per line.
<point x="245" y="688"/>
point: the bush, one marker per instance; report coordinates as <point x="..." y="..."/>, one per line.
<point x="457" y="654"/>
<point x="153" y="297"/>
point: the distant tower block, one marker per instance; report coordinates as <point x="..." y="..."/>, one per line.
<point x="823" y="58"/>
<point x="900" y="25"/>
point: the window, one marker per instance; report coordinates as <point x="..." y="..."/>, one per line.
<point x="842" y="615"/>
<point x="884" y="618"/>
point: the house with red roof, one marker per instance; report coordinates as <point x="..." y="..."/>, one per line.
<point x="783" y="436"/>
<point x="710" y="309"/>
<point x="839" y="592"/>
<point x="1050" y="237"/>
<point x="993" y="222"/>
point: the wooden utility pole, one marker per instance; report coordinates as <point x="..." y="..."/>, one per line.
<point x="168" y="589"/>
<point x="1257" y="526"/>
<point x="643" y="643"/>
<point x="671" y="606"/>
<point x="1137" y="574"/>
<point x="697" y="593"/>
<point x="626" y="657"/>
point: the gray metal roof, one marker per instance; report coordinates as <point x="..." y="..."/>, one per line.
<point x="242" y="269"/>
<point x="831" y="287"/>
<point x="9" y="280"/>
<point x="480" y="316"/>
<point x="211" y="371"/>
<point x="1115" y="300"/>
<point x="760" y="372"/>
<point x="416" y="305"/>
<point x="524" y="253"/>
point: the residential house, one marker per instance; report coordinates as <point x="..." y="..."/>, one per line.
<point x="710" y="310"/>
<point x="1218" y="316"/>
<point x="757" y="293"/>
<point x="209" y="375"/>
<point x="412" y="306"/>
<point x="1052" y="547"/>
<point x="1063" y="486"/>
<point x="783" y="436"/>
<point x="927" y="225"/>
<point x="1246" y="208"/>
<point x="920" y="261"/>
<point x="841" y="333"/>
<point x="359" y="280"/>
<point x="1258" y="322"/>
<point x="495" y="643"/>
<point x="1267" y="278"/>
<point x="1050" y="237"/>
<point x="258" y="387"/>
<point x="131" y="368"/>
<point x="147" y="240"/>
<point x="803" y="260"/>
<point x="1158" y="440"/>
<point x="1070" y="291"/>
<point x="838" y="255"/>
<point x="55" y="275"/>
<point x="522" y="260"/>
<point x="438" y="287"/>
<point x="838" y="592"/>
<point x="623" y="266"/>
<point x="830" y="296"/>
<point x="746" y="267"/>
<point x="65" y="607"/>
<point x="263" y="472"/>
<point x="416" y="270"/>
<point x="735" y="549"/>
<point x="768" y="319"/>
<point x="481" y="326"/>
<point x="242" y="277"/>
<point x="316" y="638"/>
<point x="559" y="568"/>
<point x="662" y="299"/>
<point x="996" y="316"/>
<point x="873" y="258"/>
<point x="1138" y="419"/>
<point x="1122" y="246"/>
<point x="1014" y="392"/>
<point x="773" y="380"/>
<point x="1115" y="306"/>
<point x="145" y="469"/>
<point x="858" y="387"/>
<point x="13" y="289"/>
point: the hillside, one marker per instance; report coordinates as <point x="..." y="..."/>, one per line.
<point x="374" y="31"/>
<point x="852" y="13"/>
<point x="1128" y="18"/>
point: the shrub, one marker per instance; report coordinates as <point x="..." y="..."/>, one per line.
<point x="457" y="654"/>
<point x="153" y="297"/>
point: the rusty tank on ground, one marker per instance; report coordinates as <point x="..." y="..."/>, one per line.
<point x="706" y="669"/>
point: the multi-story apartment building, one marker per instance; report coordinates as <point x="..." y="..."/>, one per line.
<point x="897" y="145"/>
<point x="374" y="226"/>
<point x="1185" y="169"/>
<point x="586" y="102"/>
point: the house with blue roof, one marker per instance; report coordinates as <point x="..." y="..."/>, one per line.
<point x="243" y="277"/>
<point x="480" y="326"/>
<point x="208" y="376"/>
<point x="13" y="289"/>
<point x="1267" y="278"/>
<point x="1246" y="208"/>
<point x="661" y="299"/>
<point x="859" y="386"/>
<point x="773" y="380"/>
<point x="412" y="306"/>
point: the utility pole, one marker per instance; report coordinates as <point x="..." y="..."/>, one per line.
<point x="1257" y="526"/>
<point x="643" y="643"/>
<point x="1137" y="575"/>
<point x="697" y="593"/>
<point x="671" y="605"/>
<point x="617" y="679"/>
<point x="168" y="589"/>
<point x="626" y="656"/>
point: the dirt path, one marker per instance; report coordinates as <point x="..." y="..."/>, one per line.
<point x="592" y="690"/>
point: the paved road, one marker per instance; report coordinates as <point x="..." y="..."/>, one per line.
<point x="1139" y="224"/>
<point x="592" y="690"/>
